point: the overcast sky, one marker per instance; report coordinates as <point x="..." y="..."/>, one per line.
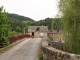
<point x="35" y="9"/>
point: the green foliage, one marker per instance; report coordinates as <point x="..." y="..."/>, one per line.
<point x="10" y="25"/>
<point x="4" y="42"/>
<point x="12" y="33"/>
<point x="16" y="25"/>
<point x="26" y="28"/>
<point x="45" y="22"/>
<point x="70" y="10"/>
<point x="56" y="24"/>
<point x="18" y="29"/>
<point x="4" y="27"/>
<point x="52" y="23"/>
<point x="40" y="56"/>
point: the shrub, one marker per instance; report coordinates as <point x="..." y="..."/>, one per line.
<point x="40" y="56"/>
<point x="4" y="42"/>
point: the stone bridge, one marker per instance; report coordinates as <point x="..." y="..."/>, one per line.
<point x="25" y="50"/>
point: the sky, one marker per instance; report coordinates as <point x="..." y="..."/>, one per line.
<point x="35" y="9"/>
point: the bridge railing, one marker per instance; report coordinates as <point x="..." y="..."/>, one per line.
<point x="12" y="39"/>
<point x="16" y="38"/>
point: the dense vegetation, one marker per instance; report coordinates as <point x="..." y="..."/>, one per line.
<point x="18" y="23"/>
<point x="19" y="17"/>
<point x="70" y="10"/>
<point x="10" y="27"/>
<point x="17" y="26"/>
<point x="52" y="23"/>
<point x="4" y="27"/>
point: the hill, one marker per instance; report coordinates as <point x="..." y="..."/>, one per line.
<point x="19" y="17"/>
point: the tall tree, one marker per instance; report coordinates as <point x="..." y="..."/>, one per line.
<point x="57" y="25"/>
<point x="4" y="27"/>
<point x="70" y="10"/>
<point x="26" y="28"/>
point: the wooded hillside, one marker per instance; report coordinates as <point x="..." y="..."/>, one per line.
<point x="19" y="17"/>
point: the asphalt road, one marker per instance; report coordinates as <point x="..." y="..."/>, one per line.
<point x="25" y="50"/>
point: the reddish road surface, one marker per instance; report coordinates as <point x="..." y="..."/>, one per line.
<point x="25" y="50"/>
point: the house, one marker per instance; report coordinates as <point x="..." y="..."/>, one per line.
<point x="56" y="35"/>
<point x="38" y="31"/>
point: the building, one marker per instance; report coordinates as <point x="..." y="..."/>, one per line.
<point x="56" y="35"/>
<point x="38" y="31"/>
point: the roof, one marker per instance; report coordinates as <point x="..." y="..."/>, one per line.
<point x="41" y="28"/>
<point x="54" y="31"/>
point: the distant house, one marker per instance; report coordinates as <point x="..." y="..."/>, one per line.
<point x="56" y="35"/>
<point x="38" y="31"/>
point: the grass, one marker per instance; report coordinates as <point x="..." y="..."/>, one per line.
<point x="40" y="55"/>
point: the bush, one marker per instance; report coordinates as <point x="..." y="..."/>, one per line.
<point x="12" y="33"/>
<point x="4" y="42"/>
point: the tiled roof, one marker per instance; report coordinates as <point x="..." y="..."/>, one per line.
<point x="54" y="31"/>
<point x="42" y="28"/>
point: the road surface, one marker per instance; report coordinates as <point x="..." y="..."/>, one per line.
<point x="25" y="50"/>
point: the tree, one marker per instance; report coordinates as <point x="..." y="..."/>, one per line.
<point x="44" y="22"/>
<point x="19" y="17"/>
<point x="56" y="24"/>
<point x="70" y="10"/>
<point x="26" y="28"/>
<point x="18" y="29"/>
<point x="4" y="27"/>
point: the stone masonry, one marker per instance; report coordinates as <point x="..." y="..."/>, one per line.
<point x="50" y="53"/>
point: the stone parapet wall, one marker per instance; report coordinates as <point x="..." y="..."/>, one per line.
<point x="57" y="45"/>
<point x="50" y="53"/>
